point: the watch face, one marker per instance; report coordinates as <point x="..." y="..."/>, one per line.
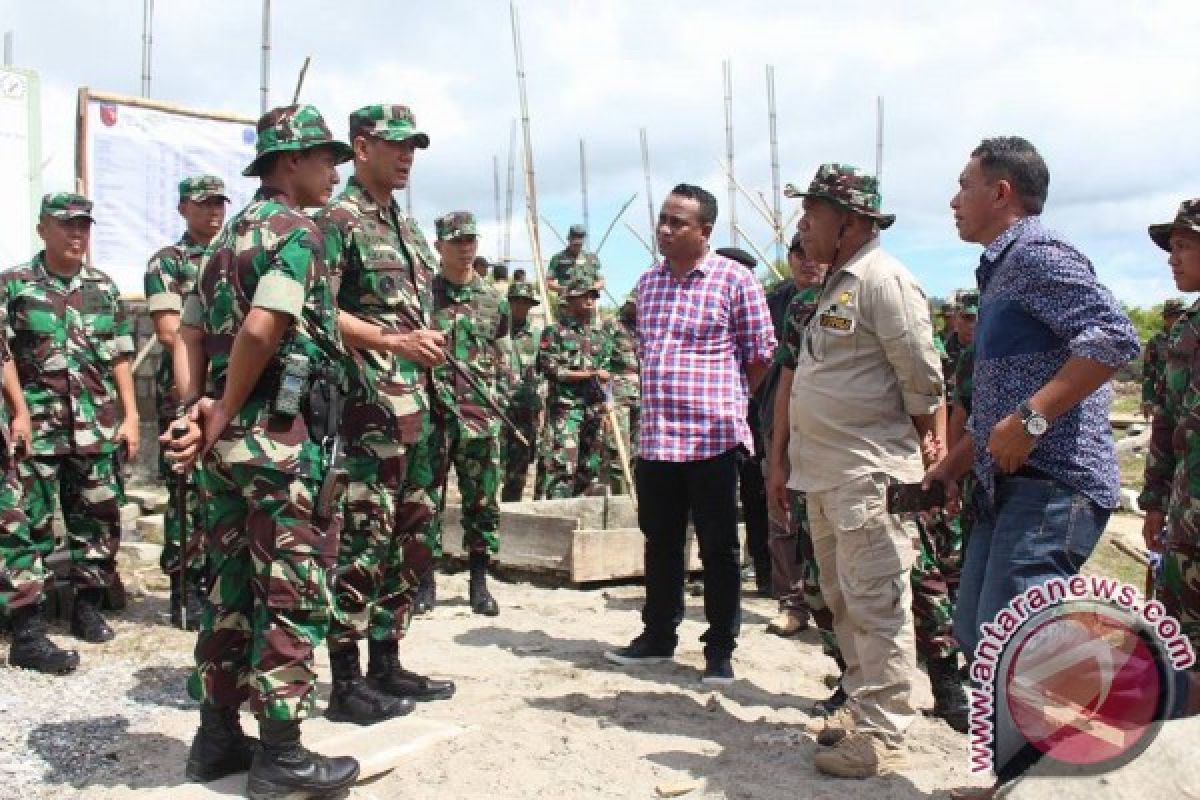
<point x="1036" y="426"/>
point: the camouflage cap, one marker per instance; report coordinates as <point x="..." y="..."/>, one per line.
<point x="578" y="287"/>
<point x="393" y="123"/>
<point x="577" y="231"/>
<point x="968" y="303"/>
<point x="848" y="187"/>
<point x="66" y="205"/>
<point x="202" y="187"/>
<point x="523" y="290"/>
<point x="456" y="224"/>
<point x="1174" y="305"/>
<point x="1187" y="218"/>
<point x="291" y="128"/>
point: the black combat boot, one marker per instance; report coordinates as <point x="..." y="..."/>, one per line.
<point x="385" y="674"/>
<point x="482" y="601"/>
<point x="426" y="597"/>
<point x="31" y="649"/>
<point x="829" y="706"/>
<point x="220" y="747"/>
<point x="352" y="700"/>
<point x="283" y="767"/>
<point x="949" y="698"/>
<point x="191" y="598"/>
<point x="86" y="622"/>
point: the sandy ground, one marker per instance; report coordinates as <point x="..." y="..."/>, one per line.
<point x="546" y="715"/>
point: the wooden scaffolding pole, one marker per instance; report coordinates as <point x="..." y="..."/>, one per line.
<point x="649" y="194"/>
<point x="531" y="212"/>
<point x="776" y="196"/>
<point x="733" y="224"/>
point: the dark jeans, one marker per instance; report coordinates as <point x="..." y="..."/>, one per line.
<point x="1036" y="530"/>
<point x="667" y="492"/>
<point x="752" y="487"/>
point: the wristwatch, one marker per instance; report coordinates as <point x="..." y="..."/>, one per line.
<point x="1035" y="424"/>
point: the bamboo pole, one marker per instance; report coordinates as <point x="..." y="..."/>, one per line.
<point x="554" y="230"/>
<point x="583" y="183"/>
<point x="496" y="189"/>
<point x="761" y="256"/>
<point x="158" y="105"/>
<point x="727" y="67"/>
<point x="776" y="196"/>
<point x="640" y="239"/>
<point x="147" y="43"/>
<point x="649" y="194"/>
<point x="531" y="215"/>
<point x="508" y="196"/>
<point x="754" y="203"/>
<point x="613" y="224"/>
<point x="879" y="139"/>
<point x="300" y="80"/>
<point x="265" y="64"/>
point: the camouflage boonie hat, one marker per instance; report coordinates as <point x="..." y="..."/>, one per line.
<point x="523" y="290"/>
<point x="848" y="187"/>
<point x="1174" y="305"/>
<point x="577" y="232"/>
<point x="291" y="128"/>
<point x="456" y="224"/>
<point x="392" y="123"/>
<point x="1187" y="218"/>
<point x="578" y="287"/>
<point x="968" y="303"/>
<point x="66" y="206"/>
<point x="202" y="187"/>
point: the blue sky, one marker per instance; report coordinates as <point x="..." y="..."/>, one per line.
<point x="1105" y="89"/>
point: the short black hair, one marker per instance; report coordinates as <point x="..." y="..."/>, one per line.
<point x="500" y="271"/>
<point x="519" y="274"/>
<point x="739" y="255"/>
<point x="1015" y="160"/>
<point x="703" y="197"/>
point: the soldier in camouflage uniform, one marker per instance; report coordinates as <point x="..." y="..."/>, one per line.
<point x="1172" y="487"/>
<point x="261" y="330"/>
<point x="578" y="358"/>
<point x="72" y="343"/>
<point x="384" y="269"/>
<point x="475" y="320"/>
<point x="938" y="566"/>
<point x="524" y="393"/>
<point x="22" y="567"/>
<point x="171" y="275"/>
<point x="626" y="392"/>
<point x="1154" y="359"/>
<point x="573" y="262"/>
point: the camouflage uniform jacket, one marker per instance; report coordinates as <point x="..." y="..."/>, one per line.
<point x="524" y="392"/>
<point x="475" y="319"/>
<point x="571" y="345"/>
<point x="627" y="388"/>
<point x="269" y="255"/>
<point x="563" y="267"/>
<point x="802" y="307"/>
<point x="384" y="268"/>
<point x="1172" y="479"/>
<point x="1154" y="362"/>
<point x="964" y="379"/>
<point x="170" y="276"/>
<point x="67" y="333"/>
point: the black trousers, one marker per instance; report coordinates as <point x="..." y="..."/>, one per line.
<point x="668" y="492"/>
<point x="752" y="486"/>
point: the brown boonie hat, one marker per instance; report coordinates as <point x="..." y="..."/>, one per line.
<point x="1187" y="218"/>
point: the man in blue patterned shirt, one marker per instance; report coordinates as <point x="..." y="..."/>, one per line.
<point x="1049" y="338"/>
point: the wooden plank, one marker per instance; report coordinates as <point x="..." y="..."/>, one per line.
<point x="527" y="541"/>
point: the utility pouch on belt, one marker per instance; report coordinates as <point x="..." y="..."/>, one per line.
<point x="293" y="384"/>
<point x="324" y="418"/>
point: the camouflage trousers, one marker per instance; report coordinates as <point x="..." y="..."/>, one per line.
<point x="476" y="462"/>
<point x="173" y="525"/>
<point x="22" y="567"/>
<point x="571" y="450"/>
<point x="807" y="593"/>
<point x="91" y="492"/>
<point x="935" y="576"/>
<point x="628" y="418"/>
<point x="270" y="598"/>
<point x="1178" y="586"/>
<point x="381" y="554"/>
<point x="517" y="457"/>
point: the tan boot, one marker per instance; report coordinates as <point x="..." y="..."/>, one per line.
<point x="787" y="624"/>
<point x="860" y="755"/>
<point x="832" y="729"/>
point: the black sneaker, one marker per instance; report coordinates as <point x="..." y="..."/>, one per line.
<point x="718" y="671"/>
<point x="641" y="650"/>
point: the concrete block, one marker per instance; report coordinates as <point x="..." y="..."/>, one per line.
<point x="135" y="555"/>
<point x="151" y="528"/>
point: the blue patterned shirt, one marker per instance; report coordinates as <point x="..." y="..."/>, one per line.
<point x="1039" y="305"/>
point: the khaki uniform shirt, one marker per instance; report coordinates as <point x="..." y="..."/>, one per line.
<point x="866" y="366"/>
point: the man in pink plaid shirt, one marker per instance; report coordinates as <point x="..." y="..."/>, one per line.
<point x="705" y="340"/>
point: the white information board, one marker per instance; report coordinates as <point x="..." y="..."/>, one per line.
<point x="20" y="164"/>
<point x="134" y="155"/>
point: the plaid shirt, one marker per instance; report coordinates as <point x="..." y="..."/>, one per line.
<point x="695" y="338"/>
